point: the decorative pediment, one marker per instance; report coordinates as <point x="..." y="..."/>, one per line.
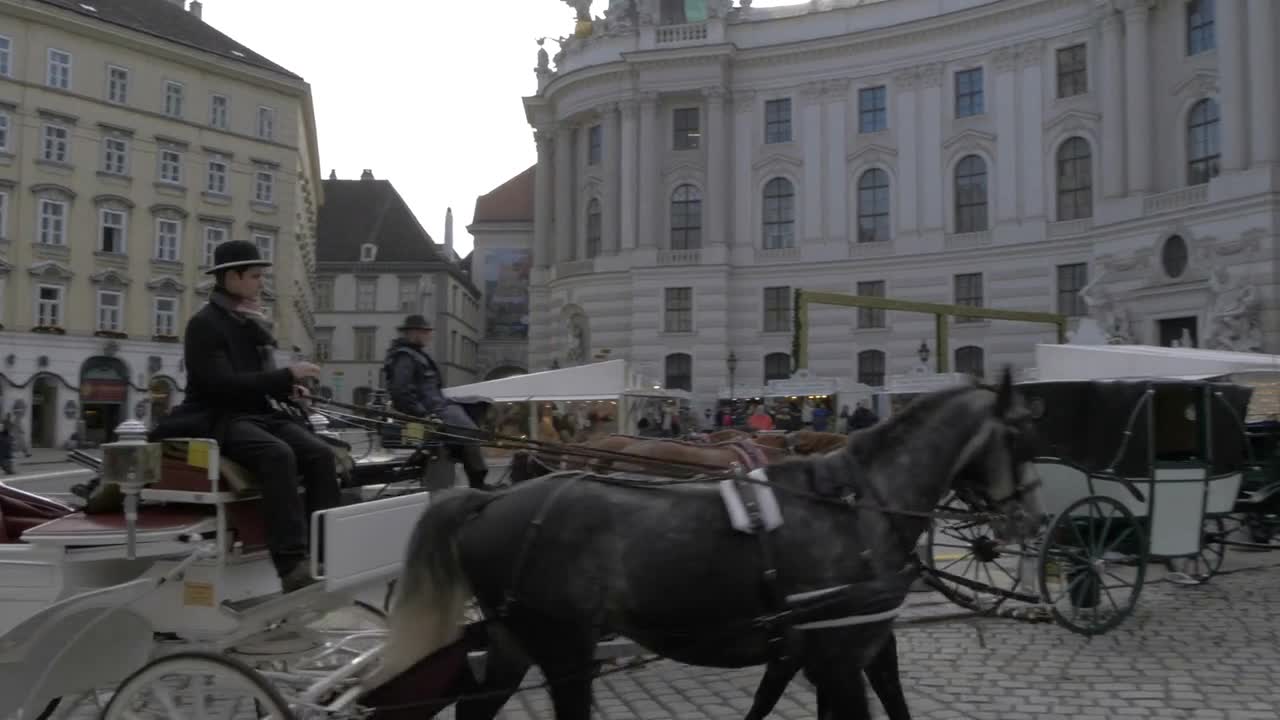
<point x="1073" y="120"/>
<point x="873" y="154"/>
<point x="53" y="189"/>
<point x="970" y="140"/>
<point x="110" y="276"/>
<point x="167" y="209"/>
<point x="777" y="160"/>
<point x="110" y="199"/>
<point x="1201" y="82"/>
<point x="683" y="168"/>
<point x="166" y="282"/>
<point x="50" y="270"/>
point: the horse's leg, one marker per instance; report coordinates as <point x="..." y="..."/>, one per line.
<point x="777" y="676"/>
<point x="882" y="675"/>
<point x="505" y="668"/>
<point x="841" y="694"/>
<point x="566" y="655"/>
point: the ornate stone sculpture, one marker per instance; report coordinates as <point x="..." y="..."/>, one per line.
<point x="576" y="336"/>
<point x="621" y="16"/>
<point x="1112" y="318"/>
<point x="582" y="7"/>
<point x="1234" y="317"/>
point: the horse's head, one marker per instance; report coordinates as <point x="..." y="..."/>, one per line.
<point x="992" y="474"/>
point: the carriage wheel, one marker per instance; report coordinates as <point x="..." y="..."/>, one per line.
<point x="1213" y="551"/>
<point x="194" y="685"/>
<point x="969" y="550"/>
<point x="1092" y="564"/>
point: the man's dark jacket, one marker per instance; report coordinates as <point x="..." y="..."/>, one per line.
<point x="413" y="380"/>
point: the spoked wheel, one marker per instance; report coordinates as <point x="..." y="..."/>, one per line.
<point x="191" y="685"/>
<point x="1092" y="564"/>
<point x="968" y="550"/>
<point x="1213" y="550"/>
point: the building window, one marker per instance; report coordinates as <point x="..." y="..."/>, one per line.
<point x="969" y="359"/>
<point x="595" y="144"/>
<point x="264" y="187"/>
<point x="1073" y="71"/>
<point x="366" y="294"/>
<point x="678" y="315"/>
<point x="777" y="121"/>
<point x="408" y="295"/>
<point x="873" y="206"/>
<point x="173" y="99"/>
<point x="324" y="345"/>
<point x="115" y="156"/>
<point x="687" y="133"/>
<point x="1071" y="280"/>
<point x="266" y="246"/>
<point x="968" y="292"/>
<point x="679" y="372"/>
<point x="59" y="69"/>
<point x="971" y="194"/>
<point x="871" y="317"/>
<point x="368" y="252"/>
<point x="6" y="50"/>
<point x="53" y="222"/>
<point x="365" y="344"/>
<point x="167" y="233"/>
<point x="595" y="227"/>
<point x="4" y="214"/>
<point x="777" y="309"/>
<point x="779" y="214"/>
<point x="1075" y="179"/>
<point x="873" y="114"/>
<point x="171" y="166"/>
<point x="777" y="366"/>
<point x="266" y="123"/>
<point x="871" y="368"/>
<point x="1200" y="26"/>
<point x="117" y="84"/>
<point x="219" y="109"/>
<point x="48" y="305"/>
<point x="969" y="97"/>
<point x="1203" y="149"/>
<point x="57" y="141"/>
<point x="686" y="218"/>
<point x="214" y="235"/>
<point x="166" y="317"/>
<point x="217" y="177"/>
<point x="109" y="304"/>
<point x="324" y="294"/>
<point x="4" y="131"/>
<point x="111" y="234"/>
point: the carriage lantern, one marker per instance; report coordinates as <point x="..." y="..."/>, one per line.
<point x="131" y="463"/>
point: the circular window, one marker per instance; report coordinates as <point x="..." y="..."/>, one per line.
<point x="1174" y="256"/>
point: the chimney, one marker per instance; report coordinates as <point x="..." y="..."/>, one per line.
<point x="196" y="8"/>
<point x="448" y="228"/>
<point x="333" y="174"/>
<point x="366" y="175"/>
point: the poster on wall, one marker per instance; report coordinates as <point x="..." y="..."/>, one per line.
<point x="506" y="287"/>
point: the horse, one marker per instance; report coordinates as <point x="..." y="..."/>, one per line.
<point x="560" y="560"/>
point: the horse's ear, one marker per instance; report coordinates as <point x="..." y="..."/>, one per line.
<point x="1004" y="395"/>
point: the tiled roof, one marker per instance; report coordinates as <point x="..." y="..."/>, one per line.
<point x="512" y="201"/>
<point x="167" y="20"/>
<point x="356" y="212"/>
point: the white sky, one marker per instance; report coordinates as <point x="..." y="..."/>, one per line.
<point x="426" y="93"/>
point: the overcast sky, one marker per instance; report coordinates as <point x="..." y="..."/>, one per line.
<point x="425" y="94"/>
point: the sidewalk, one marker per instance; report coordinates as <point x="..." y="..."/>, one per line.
<point x="44" y="460"/>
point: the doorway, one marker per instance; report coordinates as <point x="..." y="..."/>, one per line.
<point x="44" y="412"/>
<point x="104" y="388"/>
<point x="1179" y="332"/>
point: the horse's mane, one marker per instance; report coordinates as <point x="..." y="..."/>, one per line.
<point x="893" y="433"/>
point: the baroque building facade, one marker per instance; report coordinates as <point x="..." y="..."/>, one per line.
<point x="131" y="144"/>
<point x="1105" y="159"/>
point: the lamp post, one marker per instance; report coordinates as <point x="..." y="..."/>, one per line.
<point x="923" y="354"/>
<point x="732" y="362"/>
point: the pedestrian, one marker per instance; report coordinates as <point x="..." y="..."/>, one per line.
<point x="6" y="448"/>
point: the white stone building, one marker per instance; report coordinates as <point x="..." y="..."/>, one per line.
<point x="693" y="171"/>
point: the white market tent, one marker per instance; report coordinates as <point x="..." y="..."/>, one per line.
<point x="607" y="380"/>
<point x="1092" y="362"/>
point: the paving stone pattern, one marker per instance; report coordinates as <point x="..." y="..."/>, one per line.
<point x="1209" y="652"/>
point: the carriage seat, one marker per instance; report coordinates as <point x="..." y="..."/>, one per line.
<point x="20" y="511"/>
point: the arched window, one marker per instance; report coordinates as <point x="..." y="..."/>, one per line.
<point x="679" y="372"/>
<point x="1075" y="179"/>
<point x="871" y="368"/>
<point x="686" y="218"/>
<point x="969" y="359"/>
<point x="779" y="214"/>
<point x="873" y="206"/>
<point x="777" y="366"/>
<point x="1203" y="148"/>
<point x="971" y="194"/>
<point x="594" y="226"/>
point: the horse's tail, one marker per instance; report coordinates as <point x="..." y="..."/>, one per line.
<point x="432" y="592"/>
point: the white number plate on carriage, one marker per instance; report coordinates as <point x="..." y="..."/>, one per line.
<point x="364" y="542"/>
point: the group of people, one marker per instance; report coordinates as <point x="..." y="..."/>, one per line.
<point x="758" y="417"/>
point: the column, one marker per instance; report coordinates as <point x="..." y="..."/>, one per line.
<point x="838" y="198"/>
<point x="719" y="141"/>
<point x="565" y="249"/>
<point x="1031" y="145"/>
<point x="1263" y="60"/>
<point x="1006" y="106"/>
<point x="904" y="87"/>
<point x="612" y="147"/>
<point x="744" y="204"/>
<point x="627" y="182"/>
<point x="651" y="149"/>
<point x="1112" y="78"/>
<point x="1231" y="76"/>
<point x="543" y="207"/>
<point x="1137" y="83"/>
<point x="810" y="189"/>
<point x="929" y="158"/>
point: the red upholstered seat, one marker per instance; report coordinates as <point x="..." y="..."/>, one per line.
<point x="21" y="511"/>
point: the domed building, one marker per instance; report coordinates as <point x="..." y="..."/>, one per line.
<point x="697" y="162"/>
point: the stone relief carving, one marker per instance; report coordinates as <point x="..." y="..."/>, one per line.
<point x="1004" y="60"/>
<point x="576" y="346"/>
<point x="1113" y="318"/>
<point x="907" y="79"/>
<point x="582" y="7"/>
<point x="1234" y="315"/>
<point x="931" y="75"/>
<point x="621" y="17"/>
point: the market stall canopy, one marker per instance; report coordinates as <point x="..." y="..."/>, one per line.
<point x="1089" y="362"/>
<point x="596" y="381"/>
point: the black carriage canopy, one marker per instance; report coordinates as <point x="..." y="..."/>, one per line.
<point x="1196" y="420"/>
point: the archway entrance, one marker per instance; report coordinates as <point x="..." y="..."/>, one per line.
<point x="162" y="390"/>
<point x="44" y="412"/>
<point x="104" y="388"/>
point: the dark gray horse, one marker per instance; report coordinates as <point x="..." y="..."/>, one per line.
<point x="559" y="561"/>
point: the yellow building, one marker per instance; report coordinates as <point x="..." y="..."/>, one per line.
<point x="131" y="144"/>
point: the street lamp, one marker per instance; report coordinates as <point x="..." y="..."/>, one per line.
<point x="732" y="362"/>
<point x="923" y="353"/>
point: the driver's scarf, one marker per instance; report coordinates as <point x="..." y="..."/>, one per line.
<point x="248" y="314"/>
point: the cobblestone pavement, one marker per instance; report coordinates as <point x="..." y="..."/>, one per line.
<point x="1202" y="652"/>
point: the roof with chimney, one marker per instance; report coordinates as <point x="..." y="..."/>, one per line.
<point x="512" y="201"/>
<point x="168" y="20"/>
